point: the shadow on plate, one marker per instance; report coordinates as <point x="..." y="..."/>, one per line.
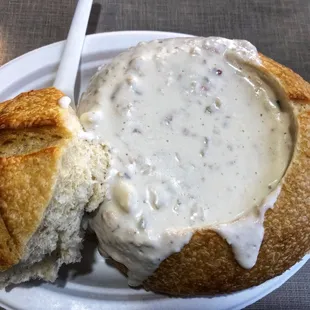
<point x="70" y="271"/>
<point x="85" y="266"/>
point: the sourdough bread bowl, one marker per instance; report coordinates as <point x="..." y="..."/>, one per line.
<point x="206" y="263"/>
<point x="48" y="177"/>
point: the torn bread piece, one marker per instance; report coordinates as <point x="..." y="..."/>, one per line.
<point x="48" y="178"/>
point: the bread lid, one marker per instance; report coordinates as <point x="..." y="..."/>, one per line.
<point x="34" y="131"/>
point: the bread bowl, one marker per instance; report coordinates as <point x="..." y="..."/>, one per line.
<point x="179" y="275"/>
<point x="48" y="177"/>
<point x="206" y="264"/>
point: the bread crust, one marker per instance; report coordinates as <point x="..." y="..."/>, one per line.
<point x="36" y="108"/>
<point x="28" y="174"/>
<point x="206" y="265"/>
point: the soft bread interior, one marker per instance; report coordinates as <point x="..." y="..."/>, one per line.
<point x="58" y="239"/>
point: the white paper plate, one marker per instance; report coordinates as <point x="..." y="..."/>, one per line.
<point x="93" y="284"/>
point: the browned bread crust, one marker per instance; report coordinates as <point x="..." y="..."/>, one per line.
<point x="33" y="109"/>
<point x="28" y="169"/>
<point x="206" y="265"/>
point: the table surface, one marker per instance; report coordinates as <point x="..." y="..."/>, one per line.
<point x="280" y="29"/>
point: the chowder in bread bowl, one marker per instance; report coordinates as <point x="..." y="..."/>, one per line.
<point x="207" y="188"/>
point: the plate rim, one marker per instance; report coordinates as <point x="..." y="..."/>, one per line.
<point x="89" y="37"/>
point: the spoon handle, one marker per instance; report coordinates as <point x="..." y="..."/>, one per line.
<point x="69" y="64"/>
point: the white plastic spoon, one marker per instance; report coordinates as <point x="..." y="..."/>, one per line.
<point x="69" y="64"/>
